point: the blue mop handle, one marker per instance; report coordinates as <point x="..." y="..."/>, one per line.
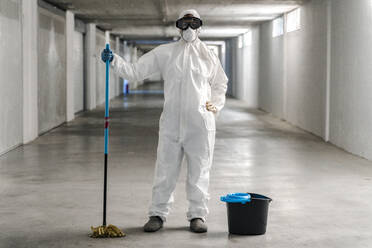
<point x="107" y="102"/>
<point x="106" y="138"/>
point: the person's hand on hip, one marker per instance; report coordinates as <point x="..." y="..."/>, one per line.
<point x="211" y="107"/>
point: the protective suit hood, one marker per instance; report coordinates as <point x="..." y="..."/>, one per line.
<point x="189" y="12"/>
<point x="189" y="35"/>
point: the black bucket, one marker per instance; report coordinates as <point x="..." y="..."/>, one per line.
<point x="248" y="217"/>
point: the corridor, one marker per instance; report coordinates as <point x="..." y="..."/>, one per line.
<point x="296" y="125"/>
<point x="51" y="188"/>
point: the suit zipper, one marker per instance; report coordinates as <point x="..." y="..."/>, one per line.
<point x="180" y="137"/>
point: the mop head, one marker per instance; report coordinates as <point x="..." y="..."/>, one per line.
<point x="109" y="231"/>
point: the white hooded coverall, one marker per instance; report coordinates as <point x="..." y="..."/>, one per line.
<point x="192" y="76"/>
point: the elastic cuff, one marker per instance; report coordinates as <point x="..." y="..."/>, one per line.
<point x="196" y="217"/>
<point x="161" y="217"/>
<point x="114" y="59"/>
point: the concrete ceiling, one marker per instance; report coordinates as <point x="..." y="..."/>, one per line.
<point x="155" y="18"/>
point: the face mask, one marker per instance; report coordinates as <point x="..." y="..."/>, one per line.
<point x="189" y="35"/>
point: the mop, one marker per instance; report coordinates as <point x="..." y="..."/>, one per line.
<point x="104" y="231"/>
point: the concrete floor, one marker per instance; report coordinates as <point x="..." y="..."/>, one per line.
<point x="51" y="189"/>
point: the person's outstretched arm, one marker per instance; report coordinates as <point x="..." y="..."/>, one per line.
<point x="138" y="71"/>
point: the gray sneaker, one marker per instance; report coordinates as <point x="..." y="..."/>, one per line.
<point x="197" y="225"/>
<point x="154" y="224"/>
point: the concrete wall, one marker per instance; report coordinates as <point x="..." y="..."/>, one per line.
<point x="100" y="67"/>
<point x="113" y="76"/>
<point x="229" y="66"/>
<point x="121" y="80"/>
<point x="51" y="70"/>
<point x="293" y="70"/>
<point x="351" y="76"/>
<point x="234" y="64"/>
<point x="248" y="70"/>
<point x="318" y="77"/>
<point x="306" y="69"/>
<point x="78" y="71"/>
<point x="246" y="73"/>
<point x="11" y="124"/>
<point x="271" y="71"/>
<point x="90" y="66"/>
<point x="35" y="40"/>
<point x="29" y="70"/>
<point x="70" y="70"/>
<point x="127" y="53"/>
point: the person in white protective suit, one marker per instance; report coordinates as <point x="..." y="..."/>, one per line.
<point x="194" y="92"/>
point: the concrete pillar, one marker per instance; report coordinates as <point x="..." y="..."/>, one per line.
<point x="117" y="50"/>
<point x="70" y="28"/>
<point x="328" y="82"/>
<point x="29" y="69"/>
<point x="90" y="44"/>
<point x="107" y="38"/>
<point x="126" y="56"/>
<point x="285" y="79"/>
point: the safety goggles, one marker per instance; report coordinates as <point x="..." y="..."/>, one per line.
<point x="185" y="22"/>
